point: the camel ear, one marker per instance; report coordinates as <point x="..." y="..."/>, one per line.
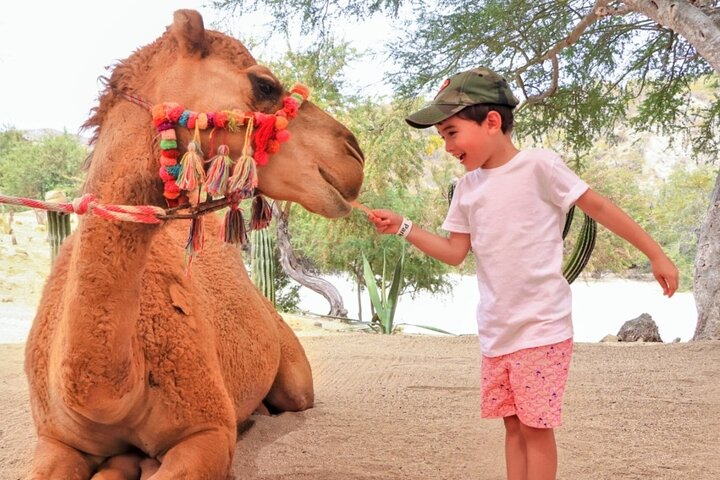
<point x="189" y="31"/>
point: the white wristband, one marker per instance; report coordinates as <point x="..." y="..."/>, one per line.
<point x="405" y="228"/>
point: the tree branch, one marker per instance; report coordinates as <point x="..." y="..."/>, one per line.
<point x="573" y="37"/>
<point x="535" y="99"/>
<point x="696" y="26"/>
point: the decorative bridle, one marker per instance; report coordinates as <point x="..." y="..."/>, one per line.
<point x="226" y="181"/>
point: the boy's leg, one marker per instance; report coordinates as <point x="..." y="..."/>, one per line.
<point x="541" y="452"/>
<point x="515" y="449"/>
<point x="538" y="377"/>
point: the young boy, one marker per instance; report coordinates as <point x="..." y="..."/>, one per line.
<point x="510" y="208"/>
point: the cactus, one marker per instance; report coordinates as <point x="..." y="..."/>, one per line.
<point x="261" y="263"/>
<point x="58" y="224"/>
<point x="584" y="245"/>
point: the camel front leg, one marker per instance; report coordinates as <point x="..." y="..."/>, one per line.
<point x="120" y="467"/>
<point x="292" y="390"/>
<point x="55" y="460"/>
<point x="202" y="456"/>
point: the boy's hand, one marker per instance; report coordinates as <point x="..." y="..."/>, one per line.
<point x="386" y="221"/>
<point x="666" y="273"/>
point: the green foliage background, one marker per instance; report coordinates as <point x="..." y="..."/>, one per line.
<point x="624" y="77"/>
<point x="30" y="168"/>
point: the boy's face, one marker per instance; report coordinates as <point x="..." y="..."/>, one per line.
<point x="467" y="140"/>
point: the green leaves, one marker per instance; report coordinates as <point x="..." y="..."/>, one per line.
<point x="384" y="300"/>
<point x="32" y="168"/>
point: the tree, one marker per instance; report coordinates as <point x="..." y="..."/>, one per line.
<point x="577" y="66"/>
<point x="393" y="179"/>
<point x="30" y="168"/>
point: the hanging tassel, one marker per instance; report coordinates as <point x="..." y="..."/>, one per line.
<point x="233" y="230"/>
<point x="244" y="176"/>
<point x="195" y="241"/>
<point x="192" y="172"/>
<point x="219" y="172"/>
<point x="261" y="213"/>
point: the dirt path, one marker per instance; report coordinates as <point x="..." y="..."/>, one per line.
<point x="406" y="407"/>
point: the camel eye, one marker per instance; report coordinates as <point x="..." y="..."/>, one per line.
<point x="264" y="88"/>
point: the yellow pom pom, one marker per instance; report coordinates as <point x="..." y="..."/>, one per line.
<point x="202" y="121"/>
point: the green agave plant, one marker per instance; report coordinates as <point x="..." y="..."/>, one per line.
<point x="384" y="299"/>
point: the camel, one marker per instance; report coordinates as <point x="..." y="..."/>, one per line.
<point x="136" y="368"/>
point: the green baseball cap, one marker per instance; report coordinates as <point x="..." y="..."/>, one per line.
<point x="477" y="86"/>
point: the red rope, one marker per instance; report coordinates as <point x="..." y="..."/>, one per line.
<point x="87" y="204"/>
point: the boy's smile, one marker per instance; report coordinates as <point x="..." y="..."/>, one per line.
<point x="476" y="145"/>
<point x="463" y="138"/>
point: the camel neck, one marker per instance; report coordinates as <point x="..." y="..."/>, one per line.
<point x="107" y="264"/>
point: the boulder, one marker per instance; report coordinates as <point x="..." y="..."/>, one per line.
<point x="641" y="328"/>
<point x="610" y="338"/>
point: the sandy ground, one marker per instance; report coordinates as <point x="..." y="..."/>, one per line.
<point x="406" y="407"/>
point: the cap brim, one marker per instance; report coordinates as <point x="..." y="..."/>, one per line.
<point x="432" y="115"/>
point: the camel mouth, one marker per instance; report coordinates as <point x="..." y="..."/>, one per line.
<point x="353" y="149"/>
<point x="337" y="186"/>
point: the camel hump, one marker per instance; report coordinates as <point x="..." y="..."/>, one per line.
<point x="189" y="31"/>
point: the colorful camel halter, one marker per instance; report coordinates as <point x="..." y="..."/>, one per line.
<point x="232" y="180"/>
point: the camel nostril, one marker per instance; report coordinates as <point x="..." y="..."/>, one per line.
<point x="354" y="150"/>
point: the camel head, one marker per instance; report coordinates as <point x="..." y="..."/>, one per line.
<point x="319" y="167"/>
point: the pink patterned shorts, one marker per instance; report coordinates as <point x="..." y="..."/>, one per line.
<point x="529" y="383"/>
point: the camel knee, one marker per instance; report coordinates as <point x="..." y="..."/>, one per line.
<point x="290" y="401"/>
<point x="54" y="459"/>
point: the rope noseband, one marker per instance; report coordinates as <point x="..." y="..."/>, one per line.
<point x="228" y="180"/>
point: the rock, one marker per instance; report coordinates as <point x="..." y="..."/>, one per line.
<point x="677" y="340"/>
<point x="641" y="328"/>
<point x="610" y="338"/>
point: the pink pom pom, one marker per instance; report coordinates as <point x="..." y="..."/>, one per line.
<point x="165" y="176"/>
<point x="282" y="136"/>
<point x="171" y="187"/>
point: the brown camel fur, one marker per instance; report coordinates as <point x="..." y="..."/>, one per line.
<point x="133" y="365"/>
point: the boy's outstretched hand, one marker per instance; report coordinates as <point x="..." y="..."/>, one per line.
<point x="386" y="221"/>
<point x="666" y="273"/>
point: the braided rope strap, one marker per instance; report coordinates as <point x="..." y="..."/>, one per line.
<point x="87" y="204"/>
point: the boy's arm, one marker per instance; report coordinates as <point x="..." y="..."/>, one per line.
<point x="617" y="221"/>
<point x="452" y="249"/>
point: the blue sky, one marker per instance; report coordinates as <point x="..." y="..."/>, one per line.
<point x="51" y="54"/>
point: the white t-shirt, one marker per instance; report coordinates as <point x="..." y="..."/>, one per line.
<point x="515" y="215"/>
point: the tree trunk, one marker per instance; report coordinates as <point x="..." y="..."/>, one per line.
<point x="699" y="25"/>
<point x="296" y="271"/>
<point x="707" y="272"/>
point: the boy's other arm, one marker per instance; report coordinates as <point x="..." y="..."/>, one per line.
<point x="451" y="250"/>
<point x="617" y="221"/>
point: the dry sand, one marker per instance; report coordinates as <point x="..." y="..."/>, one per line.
<point x="406" y="407"/>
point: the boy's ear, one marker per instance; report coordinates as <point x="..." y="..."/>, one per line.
<point x="494" y="120"/>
